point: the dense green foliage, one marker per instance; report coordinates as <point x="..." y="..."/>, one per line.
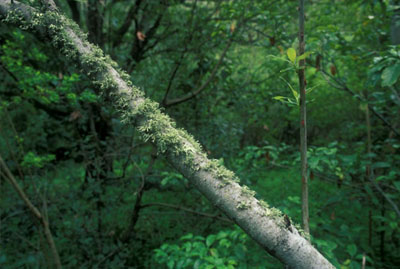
<point x="217" y="68"/>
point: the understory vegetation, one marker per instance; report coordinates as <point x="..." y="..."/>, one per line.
<point x="223" y="71"/>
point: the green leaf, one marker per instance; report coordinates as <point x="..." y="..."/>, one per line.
<point x="225" y="243"/>
<point x="187" y="237"/>
<point x="347" y="262"/>
<point x="171" y="264"/>
<point x="352" y="249"/>
<point x="348" y="38"/>
<point x="295" y="93"/>
<point x="221" y="235"/>
<point x="287" y="69"/>
<point x="279" y="98"/>
<point x="390" y="75"/>
<point x="278" y="58"/>
<point x="311" y="89"/>
<point x="303" y="56"/>
<point x="210" y="240"/>
<point x="214" y="252"/>
<point x="291" y="53"/>
<point x="164" y="181"/>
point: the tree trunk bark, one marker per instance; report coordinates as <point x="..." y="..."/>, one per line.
<point x="264" y="224"/>
<point x="303" y="123"/>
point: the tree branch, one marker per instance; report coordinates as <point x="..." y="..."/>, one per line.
<point x="204" y="85"/>
<point x="126" y="24"/>
<point x="51" y="111"/>
<point x="187" y="210"/>
<point x="139" y="195"/>
<point x="385" y="196"/>
<point x="36" y="213"/>
<point x="342" y="86"/>
<point x="171" y="79"/>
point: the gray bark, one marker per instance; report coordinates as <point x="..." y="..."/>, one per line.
<point x="265" y="225"/>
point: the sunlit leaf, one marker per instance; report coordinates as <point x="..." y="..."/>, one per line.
<point x="303" y="56"/>
<point x="291" y="53"/>
<point x="294" y="92"/>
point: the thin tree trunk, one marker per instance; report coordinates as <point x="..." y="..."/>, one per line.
<point x="367" y="119"/>
<point x="370" y="224"/>
<point x="303" y="123"/>
<point x="382" y="233"/>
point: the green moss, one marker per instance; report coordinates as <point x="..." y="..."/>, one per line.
<point x="221" y="173"/>
<point x="301" y="231"/>
<point x="246" y="192"/>
<point x="61" y="32"/>
<point x="271" y="212"/>
<point x="158" y="128"/>
<point x="263" y="204"/>
<point x="222" y="184"/>
<point x="242" y="205"/>
<point x="16" y="17"/>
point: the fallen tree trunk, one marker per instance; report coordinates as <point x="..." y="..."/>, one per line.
<point x="266" y="225"/>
